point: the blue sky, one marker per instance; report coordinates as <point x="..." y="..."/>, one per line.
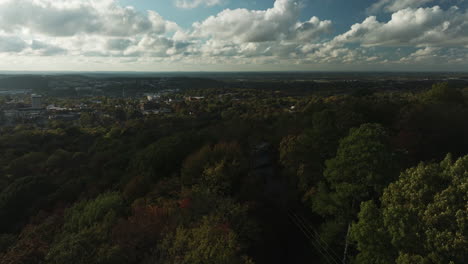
<point x="344" y="12"/>
<point x="233" y="35"/>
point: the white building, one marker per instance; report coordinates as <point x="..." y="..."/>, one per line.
<point x="36" y="101"/>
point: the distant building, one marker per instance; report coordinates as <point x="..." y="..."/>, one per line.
<point x="36" y="101"/>
<point x="153" y="96"/>
<point x="56" y="108"/>
<point x="194" y="98"/>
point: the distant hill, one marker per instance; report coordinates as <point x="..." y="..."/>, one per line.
<point x="33" y="82"/>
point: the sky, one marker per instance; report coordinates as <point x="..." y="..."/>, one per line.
<point x="233" y="35"/>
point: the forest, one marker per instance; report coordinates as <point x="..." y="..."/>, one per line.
<point x="244" y="176"/>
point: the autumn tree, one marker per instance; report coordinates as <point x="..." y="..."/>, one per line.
<point x="212" y="241"/>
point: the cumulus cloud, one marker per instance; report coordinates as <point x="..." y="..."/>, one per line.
<point x="45" y="49"/>
<point x="156" y="46"/>
<point x="413" y="27"/>
<point x="391" y="6"/>
<point x="71" y="17"/>
<point x="312" y="29"/>
<point x="9" y="43"/>
<point x="435" y="55"/>
<point x="196" y="3"/>
<point x="16" y="45"/>
<point x="107" y="31"/>
<point x="274" y="32"/>
<point x="243" y="25"/>
<point x="395" y="5"/>
<point x="79" y="27"/>
<point x="421" y="55"/>
<point x="434" y="31"/>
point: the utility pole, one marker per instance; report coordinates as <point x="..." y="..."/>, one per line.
<point x="346" y="244"/>
<point x="345" y="253"/>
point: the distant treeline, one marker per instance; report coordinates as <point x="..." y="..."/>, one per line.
<point x="135" y="86"/>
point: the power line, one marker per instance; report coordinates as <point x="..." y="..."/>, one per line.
<point x="316" y="239"/>
<point x="312" y="238"/>
<point x="301" y="228"/>
<point x="317" y="235"/>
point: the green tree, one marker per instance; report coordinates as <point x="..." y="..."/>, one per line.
<point x="364" y="165"/>
<point x="443" y="93"/>
<point x="27" y="165"/>
<point x="22" y="198"/>
<point x="423" y="217"/>
<point x="86" y="232"/>
<point x="163" y="157"/>
<point x="374" y="242"/>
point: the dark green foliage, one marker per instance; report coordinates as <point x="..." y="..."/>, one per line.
<point x="374" y="243"/>
<point x="303" y="156"/>
<point x="27" y="165"/>
<point x="215" y="181"/>
<point x="162" y="157"/>
<point x="21" y="199"/>
<point x="443" y="93"/>
<point x="363" y="92"/>
<point x="363" y="166"/>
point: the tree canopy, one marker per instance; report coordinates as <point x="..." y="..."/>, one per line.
<point x="422" y="217"/>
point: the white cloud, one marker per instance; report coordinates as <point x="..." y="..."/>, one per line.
<point x="412" y="27"/>
<point x="440" y="34"/>
<point x="71" y="17"/>
<point x="437" y="56"/>
<point x="243" y="25"/>
<point x="420" y="55"/>
<point x="274" y="33"/>
<point x="395" y="5"/>
<point x="196" y="3"/>
<point x="102" y="31"/>
<point x="312" y="29"/>
<point x="391" y="6"/>
<point x="80" y="27"/>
